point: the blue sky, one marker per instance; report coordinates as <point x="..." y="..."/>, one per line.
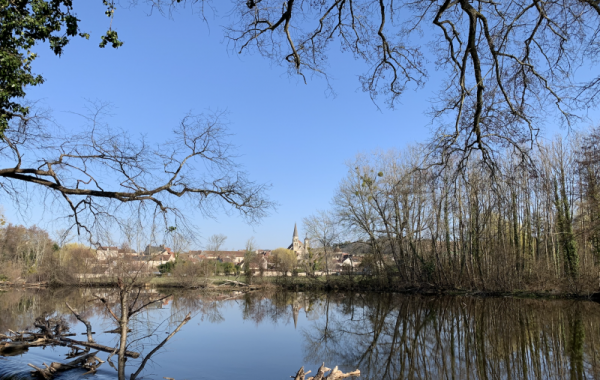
<point x="289" y="134"/>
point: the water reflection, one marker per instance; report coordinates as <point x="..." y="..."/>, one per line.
<point x="386" y="336"/>
<point x="391" y="337"/>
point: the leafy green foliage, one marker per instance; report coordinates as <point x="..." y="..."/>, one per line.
<point x="23" y="25"/>
<point x="228" y="268"/>
<point x="166" y="267"/>
<point x="111" y="37"/>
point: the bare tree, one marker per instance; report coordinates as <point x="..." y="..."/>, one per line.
<point x="104" y="176"/>
<point x="177" y="239"/>
<point x="249" y="258"/>
<point x="215" y="242"/>
<point x="323" y="229"/>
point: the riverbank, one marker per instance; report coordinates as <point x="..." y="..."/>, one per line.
<point x="373" y="284"/>
<point x="219" y="283"/>
<point x="323" y="283"/>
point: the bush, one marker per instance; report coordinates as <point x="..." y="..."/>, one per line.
<point x="187" y="275"/>
<point x="51" y="270"/>
<point x="166" y="267"/>
<point x="228" y="268"/>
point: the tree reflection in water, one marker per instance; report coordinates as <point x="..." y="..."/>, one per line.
<point x="400" y="337"/>
<point x="386" y="336"/>
<point x="124" y="305"/>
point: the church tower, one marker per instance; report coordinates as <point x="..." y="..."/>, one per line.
<point x="296" y="240"/>
<point x="299" y="249"/>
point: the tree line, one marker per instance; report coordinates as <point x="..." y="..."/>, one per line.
<point x="31" y="254"/>
<point x="529" y="223"/>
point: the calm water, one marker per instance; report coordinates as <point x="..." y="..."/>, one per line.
<point x="386" y="336"/>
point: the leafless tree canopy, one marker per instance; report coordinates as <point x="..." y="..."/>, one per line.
<point x="323" y="230"/>
<point x="215" y="242"/>
<point x="535" y="225"/>
<point x="508" y="64"/>
<point x="105" y="175"/>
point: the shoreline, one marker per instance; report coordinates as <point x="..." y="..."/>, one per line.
<point x="300" y="284"/>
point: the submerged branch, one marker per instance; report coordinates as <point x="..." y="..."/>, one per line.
<point x="88" y="325"/>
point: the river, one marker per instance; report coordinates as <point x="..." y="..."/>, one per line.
<point x="271" y="335"/>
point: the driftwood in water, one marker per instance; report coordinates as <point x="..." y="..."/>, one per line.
<point x="335" y="374"/>
<point x="11" y="349"/>
<point x="100" y="347"/>
<point x="87" y="361"/>
<point x="51" y="326"/>
<point x="7" y="347"/>
<point x="52" y="332"/>
<point x="88" y="325"/>
<point x="20" y="342"/>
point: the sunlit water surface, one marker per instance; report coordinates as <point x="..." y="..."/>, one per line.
<point x="271" y="335"/>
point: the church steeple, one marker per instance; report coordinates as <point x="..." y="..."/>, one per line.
<point x="299" y="249"/>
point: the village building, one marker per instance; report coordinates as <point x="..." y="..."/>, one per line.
<point x="107" y="253"/>
<point x="166" y="257"/>
<point x="152" y="257"/>
<point x="343" y="260"/>
<point x="153" y="250"/>
<point x="235" y="257"/>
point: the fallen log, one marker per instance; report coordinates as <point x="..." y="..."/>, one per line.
<point x="100" y="347"/>
<point x="335" y="374"/>
<point x="13" y="348"/>
<point x="233" y="282"/>
<point x="18" y="346"/>
<point x="77" y="351"/>
<point x="53" y="368"/>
